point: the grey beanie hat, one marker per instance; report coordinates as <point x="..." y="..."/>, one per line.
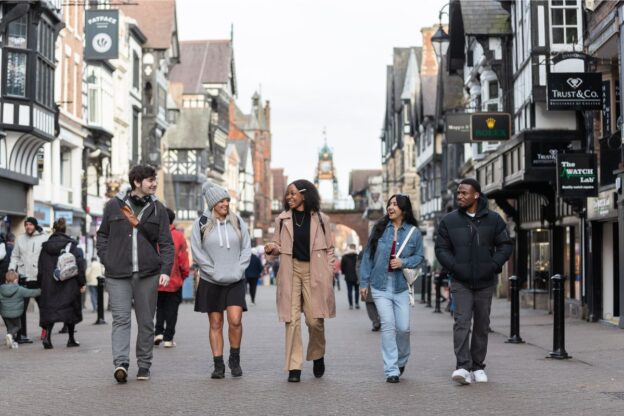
<point x="213" y="194"/>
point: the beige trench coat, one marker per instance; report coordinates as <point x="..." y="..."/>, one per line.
<point x="321" y="266"/>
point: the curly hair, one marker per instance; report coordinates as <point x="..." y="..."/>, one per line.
<point x="405" y="205"/>
<point x="311" y="200"/>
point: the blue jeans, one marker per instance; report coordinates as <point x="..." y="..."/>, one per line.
<point x="394" y="314"/>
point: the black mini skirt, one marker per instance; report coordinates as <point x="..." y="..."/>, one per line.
<point x="216" y="298"/>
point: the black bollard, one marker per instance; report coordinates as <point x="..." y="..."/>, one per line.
<point x="100" y="296"/>
<point x="558" y="351"/>
<point x="428" y="305"/>
<point x="514" y="332"/>
<point x="438" y="293"/>
<point x="423" y="286"/>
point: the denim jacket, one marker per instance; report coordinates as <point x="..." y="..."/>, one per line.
<point x="375" y="272"/>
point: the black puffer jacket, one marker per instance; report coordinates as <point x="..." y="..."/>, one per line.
<point x="473" y="249"/>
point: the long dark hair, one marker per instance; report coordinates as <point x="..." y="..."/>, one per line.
<point x="311" y="200"/>
<point x="405" y="204"/>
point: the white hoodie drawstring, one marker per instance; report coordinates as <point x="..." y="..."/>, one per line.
<point x="227" y="238"/>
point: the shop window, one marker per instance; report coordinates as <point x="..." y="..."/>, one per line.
<point x="540" y="258"/>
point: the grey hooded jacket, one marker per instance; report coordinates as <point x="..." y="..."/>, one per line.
<point x="124" y="250"/>
<point x="222" y="252"/>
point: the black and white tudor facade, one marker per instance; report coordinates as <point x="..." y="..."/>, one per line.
<point x="28" y="113"/>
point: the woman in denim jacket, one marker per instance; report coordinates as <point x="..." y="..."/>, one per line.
<point x="382" y="270"/>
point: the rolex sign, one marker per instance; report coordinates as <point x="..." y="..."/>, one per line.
<point x="102" y="35"/>
<point x="490" y="127"/>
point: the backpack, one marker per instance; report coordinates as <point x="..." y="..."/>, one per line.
<point x="66" y="265"/>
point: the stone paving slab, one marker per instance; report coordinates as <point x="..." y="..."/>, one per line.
<point x="79" y="381"/>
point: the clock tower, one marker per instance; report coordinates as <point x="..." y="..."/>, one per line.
<point x="325" y="178"/>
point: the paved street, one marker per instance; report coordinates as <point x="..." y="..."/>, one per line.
<point x="79" y="381"/>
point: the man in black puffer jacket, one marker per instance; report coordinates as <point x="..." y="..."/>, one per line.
<point x="472" y="242"/>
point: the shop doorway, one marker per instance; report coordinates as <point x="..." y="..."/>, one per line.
<point x="610" y="272"/>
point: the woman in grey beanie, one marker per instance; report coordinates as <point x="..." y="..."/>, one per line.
<point x="221" y="246"/>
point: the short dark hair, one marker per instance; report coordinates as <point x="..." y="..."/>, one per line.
<point x="171" y="215"/>
<point x="312" y="199"/>
<point x="472" y="182"/>
<point x="10" y="237"/>
<point x="140" y="172"/>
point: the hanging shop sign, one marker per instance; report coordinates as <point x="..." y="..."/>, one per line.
<point x="577" y="176"/>
<point x="574" y="91"/>
<point x="101" y="35"/>
<point x="490" y="127"/>
<point x="457" y="128"/>
<point x="604" y="206"/>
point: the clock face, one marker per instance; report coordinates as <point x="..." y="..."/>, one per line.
<point x="325" y="167"/>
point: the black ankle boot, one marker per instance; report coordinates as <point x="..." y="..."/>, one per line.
<point x="47" y="341"/>
<point x="319" y="367"/>
<point x="294" y="376"/>
<point x="219" y="368"/>
<point x="71" y="342"/>
<point x="234" y="363"/>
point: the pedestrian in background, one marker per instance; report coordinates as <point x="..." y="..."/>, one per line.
<point x="473" y="244"/>
<point x="381" y="268"/>
<point x="337" y="273"/>
<point x="5" y="258"/>
<point x="221" y="246"/>
<point x="94" y="270"/>
<point x="304" y="243"/>
<point x="12" y="305"/>
<point x="348" y="265"/>
<point x="252" y="274"/>
<point x="371" y="309"/>
<point x="170" y="296"/>
<point x="60" y="300"/>
<point x="134" y="243"/>
<point x="24" y="261"/>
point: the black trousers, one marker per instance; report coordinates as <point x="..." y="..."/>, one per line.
<point x="29" y="285"/>
<point x="13" y="325"/>
<point x="353" y="291"/>
<point x="253" y="285"/>
<point x="167" y="313"/>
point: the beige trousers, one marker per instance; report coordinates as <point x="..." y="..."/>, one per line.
<point x="302" y="296"/>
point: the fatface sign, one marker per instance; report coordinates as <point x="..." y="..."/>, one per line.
<point x="490" y="127"/>
<point x="574" y="91"/>
<point x="457" y="128"/>
<point x="577" y="176"/>
<point x="102" y="35"/>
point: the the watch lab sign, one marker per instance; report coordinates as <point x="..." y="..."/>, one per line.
<point x="574" y="91"/>
<point x="577" y="176"/>
<point x="101" y="35"/>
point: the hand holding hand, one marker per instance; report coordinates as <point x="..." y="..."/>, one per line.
<point x="164" y="280"/>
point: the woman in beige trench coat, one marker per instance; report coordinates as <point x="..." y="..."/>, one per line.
<point x="304" y="243"/>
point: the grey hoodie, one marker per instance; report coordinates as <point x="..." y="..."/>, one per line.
<point x="222" y="256"/>
<point x="25" y="256"/>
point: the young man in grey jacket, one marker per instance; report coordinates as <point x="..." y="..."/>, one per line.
<point x="134" y="243"/>
<point x="24" y="261"/>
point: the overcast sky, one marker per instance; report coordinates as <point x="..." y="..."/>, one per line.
<point x="321" y="63"/>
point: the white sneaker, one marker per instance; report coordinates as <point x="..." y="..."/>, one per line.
<point x="9" y="340"/>
<point x="480" y="376"/>
<point x="461" y="376"/>
<point x="158" y="339"/>
<point x="169" y="344"/>
<point x="15" y="345"/>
